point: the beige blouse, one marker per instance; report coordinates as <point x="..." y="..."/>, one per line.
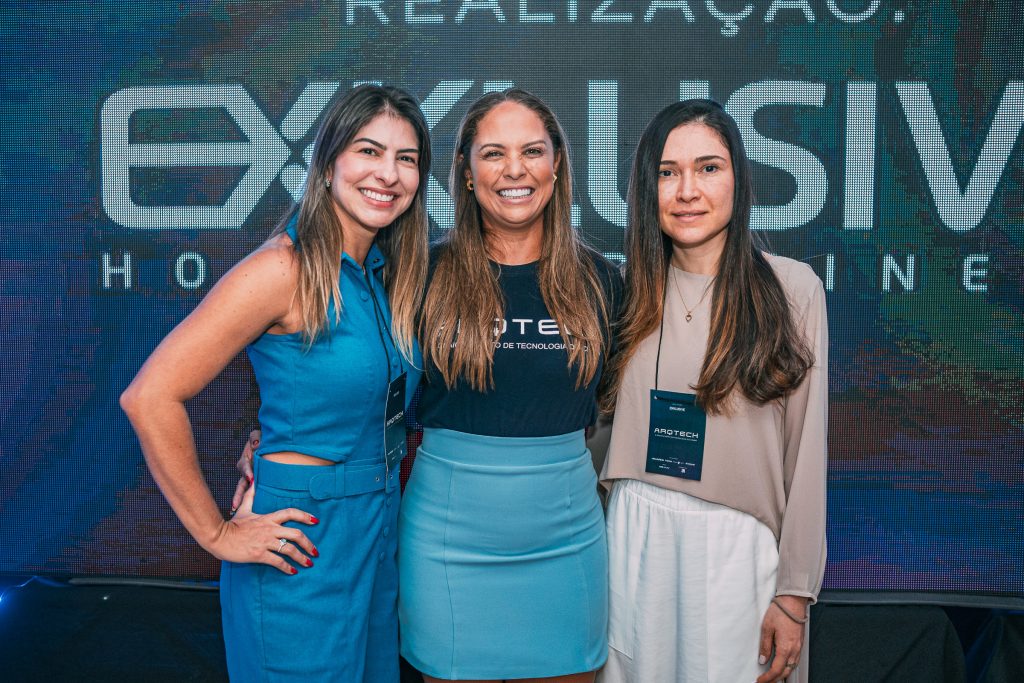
<point x="767" y="461"/>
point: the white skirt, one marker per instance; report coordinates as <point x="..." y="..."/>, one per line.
<point x="689" y="584"/>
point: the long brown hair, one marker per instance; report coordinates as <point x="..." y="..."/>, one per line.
<point x="320" y="243"/>
<point x="753" y="343"/>
<point x="464" y="297"/>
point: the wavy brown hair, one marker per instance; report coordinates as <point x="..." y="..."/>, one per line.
<point x="754" y="345"/>
<point x="320" y="242"/>
<point x="464" y="297"/>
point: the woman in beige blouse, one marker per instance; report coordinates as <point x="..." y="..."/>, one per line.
<point x="716" y="517"/>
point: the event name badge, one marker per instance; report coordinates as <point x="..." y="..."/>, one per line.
<point x="675" y="444"/>
<point x="394" y="423"/>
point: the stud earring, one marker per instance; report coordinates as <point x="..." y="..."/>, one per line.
<point x="469" y="184"/>
<point x="328" y="183"/>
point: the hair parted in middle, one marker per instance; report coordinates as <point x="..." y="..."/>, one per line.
<point x="464" y="298"/>
<point x="753" y="345"/>
<point x="320" y="241"/>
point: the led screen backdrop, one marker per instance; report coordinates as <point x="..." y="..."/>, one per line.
<point x="149" y="146"/>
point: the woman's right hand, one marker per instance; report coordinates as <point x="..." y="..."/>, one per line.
<point x="249" y="537"/>
<point x="244" y="466"/>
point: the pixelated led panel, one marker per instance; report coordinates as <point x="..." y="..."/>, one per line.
<point x="148" y="148"/>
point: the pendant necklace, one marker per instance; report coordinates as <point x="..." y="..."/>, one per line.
<point x="689" y="311"/>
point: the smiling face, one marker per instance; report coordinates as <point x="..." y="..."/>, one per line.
<point x="695" y="192"/>
<point x="375" y="177"/>
<point x="512" y="165"/>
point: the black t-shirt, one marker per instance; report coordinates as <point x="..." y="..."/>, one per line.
<point x="534" y="391"/>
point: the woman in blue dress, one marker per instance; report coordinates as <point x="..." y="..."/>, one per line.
<point x="326" y="309"/>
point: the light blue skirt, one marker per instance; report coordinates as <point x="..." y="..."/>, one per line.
<point x="503" y="560"/>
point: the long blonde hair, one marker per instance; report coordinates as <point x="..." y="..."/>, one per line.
<point x="464" y="296"/>
<point x="320" y="243"/>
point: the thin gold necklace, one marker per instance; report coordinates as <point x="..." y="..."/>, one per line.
<point x="689" y="311"/>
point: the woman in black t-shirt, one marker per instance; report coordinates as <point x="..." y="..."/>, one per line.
<point x="502" y="551"/>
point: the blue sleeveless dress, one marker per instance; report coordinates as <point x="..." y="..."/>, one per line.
<point x="335" y="621"/>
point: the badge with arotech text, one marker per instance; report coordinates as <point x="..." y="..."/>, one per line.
<point x="675" y="444"/>
<point x="394" y="423"/>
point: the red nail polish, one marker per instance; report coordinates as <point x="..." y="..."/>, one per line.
<point x="313" y="520"/>
<point x="249" y="478"/>
<point x="316" y="553"/>
<point x="309" y="563"/>
<point x="294" y="570"/>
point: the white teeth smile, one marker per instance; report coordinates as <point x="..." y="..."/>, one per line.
<point x="517" y="192"/>
<point x="378" y="196"/>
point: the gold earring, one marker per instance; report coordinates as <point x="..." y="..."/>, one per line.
<point x="469" y="184"/>
<point x="556" y="177"/>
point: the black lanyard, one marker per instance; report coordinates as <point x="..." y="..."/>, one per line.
<point x="381" y="320"/>
<point x="675" y="442"/>
<point x="661" y="325"/>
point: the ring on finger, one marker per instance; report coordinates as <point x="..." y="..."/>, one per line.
<point x="790" y="665"/>
<point x="282" y="544"/>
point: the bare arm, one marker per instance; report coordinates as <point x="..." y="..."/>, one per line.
<point x="255" y="296"/>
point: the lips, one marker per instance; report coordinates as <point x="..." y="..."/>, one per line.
<point x="378" y="195"/>
<point x="516" y="192"/>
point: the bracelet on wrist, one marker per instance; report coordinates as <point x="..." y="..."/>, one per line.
<point x="793" y="617"/>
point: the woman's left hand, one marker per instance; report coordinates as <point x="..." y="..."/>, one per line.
<point x="244" y="466"/>
<point x="783" y="637"/>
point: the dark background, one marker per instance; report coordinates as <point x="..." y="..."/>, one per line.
<point x="886" y="134"/>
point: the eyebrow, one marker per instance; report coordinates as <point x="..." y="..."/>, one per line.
<point x="525" y="144"/>
<point x="384" y="147"/>
<point x="699" y="160"/>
